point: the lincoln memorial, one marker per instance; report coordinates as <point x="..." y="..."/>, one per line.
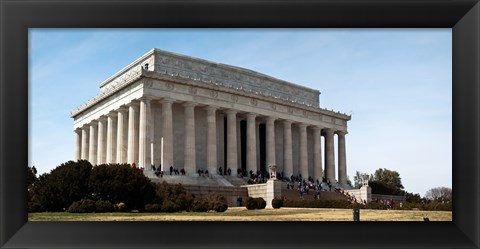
<point x="174" y="110"/>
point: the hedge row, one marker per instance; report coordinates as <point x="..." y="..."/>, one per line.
<point x="188" y="202"/>
<point x="90" y="206"/>
<point x="317" y="203"/>
<point x="434" y="206"/>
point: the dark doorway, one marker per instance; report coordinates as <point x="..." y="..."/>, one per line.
<point x="243" y="146"/>
<point x="261" y="136"/>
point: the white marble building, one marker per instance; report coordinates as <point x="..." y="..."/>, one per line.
<point x="208" y="115"/>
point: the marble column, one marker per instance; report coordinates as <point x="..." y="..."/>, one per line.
<point x="132" y="130"/>
<point x="144" y="147"/>
<point x="190" y="159"/>
<point x="211" y="140"/>
<point x="317" y="154"/>
<point x="78" y="144"/>
<point x="329" y="155"/>
<point x="287" y="148"/>
<point x="251" y="144"/>
<point x="111" y="138"/>
<point x="303" y="160"/>
<point x="122" y="131"/>
<point x="85" y="142"/>
<point x="167" y="133"/>
<point x="102" y="145"/>
<point x="232" y="159"/>
<point x="342" y="158"/>
<point x="92" y="153"/>
<point x="270" y="142"/>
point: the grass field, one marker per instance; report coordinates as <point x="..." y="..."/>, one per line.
<point x="242" y="214"/>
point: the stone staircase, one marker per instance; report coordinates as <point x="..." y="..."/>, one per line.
<point x="235" y="180"/>
<point x="195" y="180"/>
<point x="294" y="194"/>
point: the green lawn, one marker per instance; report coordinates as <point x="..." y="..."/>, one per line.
<point x="242" y="214"/>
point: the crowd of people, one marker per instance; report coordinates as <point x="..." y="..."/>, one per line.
<point x="202" y="172"/>
<point x="258" y="177"/>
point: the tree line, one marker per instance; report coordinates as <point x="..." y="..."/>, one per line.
<point x="76" y="186"/>
<point x="388" y="182"/>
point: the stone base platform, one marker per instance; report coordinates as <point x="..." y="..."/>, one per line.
<point x="227" y="186"/>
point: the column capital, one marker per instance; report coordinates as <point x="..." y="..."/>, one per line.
<point x="133" y="103"/>
<point x="329" y="131"/>
<point x="122" y="109"/>
<point x="189" y="104"/>
<point x="316" y="128"/>
<point x="146" y="98"/>
<point x="231" y="112"/>
<point x="341" y="133"/>
<point x="287" y="121"/>
<point x="251" y="115"/>
<point x="302" y="125"/>
<point x="165" y="101"/>
<point x="270" y="119"/>
<point x="102" y="118"/>
<point x="78" y="130"/>
<point x="112" y="114"/>
<point x="93" y="123"/>
<point x="211" y="108"/>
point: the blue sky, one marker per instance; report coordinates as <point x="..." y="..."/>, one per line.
<point x="396" y="84"/>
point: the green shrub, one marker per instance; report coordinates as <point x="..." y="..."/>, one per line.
<point x="153" y="208"/>
<point x="261" y="203"/>
<point x="437" y="206"/>
<point x="169" y="206"/>
<point x="104" y="206"/>
<point x="217" y="202"/>
<point x="82" y="206"/>
<point x="121" y="183"/>
<point x="374" y="205"/>
<point x="250" y="203"/>
<point x="200" y="205"/>
<point x="34" y="207"/>
<point x="185" y="201"/>
<point x="255" y="203"/>
<point x="218" y="206"/>
<point x="121" y="207"/>
<point x="277" y="203"/>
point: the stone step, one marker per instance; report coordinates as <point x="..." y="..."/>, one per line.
<point x="222" y="181"/>
<point x="236" y="181"/>
<point x="212" y="180"/>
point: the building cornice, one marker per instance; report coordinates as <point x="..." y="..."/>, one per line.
<point x="186" y="80"/>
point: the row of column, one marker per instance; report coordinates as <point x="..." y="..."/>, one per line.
<point x="118" y="138"/>
<point x="287" y="148"/>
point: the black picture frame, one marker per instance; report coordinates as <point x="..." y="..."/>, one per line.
<point x="19" y="15"/>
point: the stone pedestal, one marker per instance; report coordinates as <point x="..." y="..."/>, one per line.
<point x="274" y="190"/>
<point x="366" y="193"/>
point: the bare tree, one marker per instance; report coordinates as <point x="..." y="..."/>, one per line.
<point x="439" y="193"/>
